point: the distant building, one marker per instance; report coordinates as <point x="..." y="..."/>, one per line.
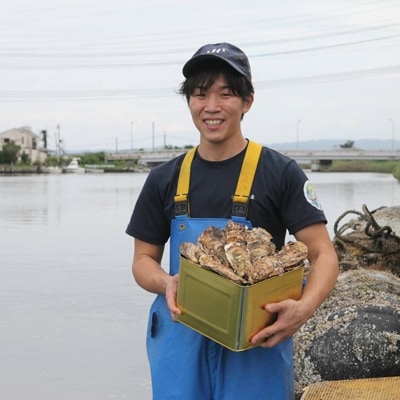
<point x="27" y="140"/>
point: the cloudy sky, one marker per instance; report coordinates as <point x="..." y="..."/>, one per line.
<point x="106" y="72"/>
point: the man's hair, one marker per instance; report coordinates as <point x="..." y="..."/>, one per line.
<point x="208" y="72"/>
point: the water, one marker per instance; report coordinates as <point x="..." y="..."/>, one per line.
<point x="72" y="320"/>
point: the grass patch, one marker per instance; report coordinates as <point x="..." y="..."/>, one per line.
<point x="362" y="166"/>
<point x="396" y="171"/>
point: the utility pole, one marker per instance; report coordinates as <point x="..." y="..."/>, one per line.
<point x="391" y="120"/>
<point x="152" y="135"/>
<point x="58" y="141"/>
<point x="297" y="134"/>
<point x="131" y="135"/>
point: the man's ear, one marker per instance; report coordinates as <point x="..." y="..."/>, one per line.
<point x="248" y="103"/>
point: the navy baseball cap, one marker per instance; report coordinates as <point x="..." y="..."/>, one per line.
<point x="225" y="52"/>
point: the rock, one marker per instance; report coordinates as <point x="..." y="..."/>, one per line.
<point x="355" y="333"/>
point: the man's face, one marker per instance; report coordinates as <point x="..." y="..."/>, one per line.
<point x="217" y="112"/>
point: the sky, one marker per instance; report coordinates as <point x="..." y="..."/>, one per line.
<point x="103" y="75"/>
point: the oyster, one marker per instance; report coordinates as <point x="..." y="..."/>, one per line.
<point x="236" y="249"/>
<point x="212" y="243"/>
<point x="190" y="251"/>
<point x="292" y="255"/>
<point x="235" y="232"/>
<point x="213" y="264"/>
<point x="265" y="267"/>
<point x="259" y="243"/>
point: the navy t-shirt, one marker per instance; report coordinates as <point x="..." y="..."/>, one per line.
<point x="282" y="199"/>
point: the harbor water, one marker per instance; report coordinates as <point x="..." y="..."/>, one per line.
<point x="72" y="319"/>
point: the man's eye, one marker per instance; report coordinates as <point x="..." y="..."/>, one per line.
<point x="226" y="94"/>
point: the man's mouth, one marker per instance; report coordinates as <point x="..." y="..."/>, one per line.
<point x="213" y="121"/>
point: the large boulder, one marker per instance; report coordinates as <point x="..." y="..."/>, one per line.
<point x="355" y="333"/>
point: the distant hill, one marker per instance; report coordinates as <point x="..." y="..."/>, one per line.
<point x="329" y="144"/>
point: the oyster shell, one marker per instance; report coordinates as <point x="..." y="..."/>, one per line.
<point x="259" y="243"/>
<point x="213" y="264"/>
<point x="265" y="267"/>
<point x="190" y="251"/>
<point x="239" y="258"/>
<point x="292" y="255"/>
<point x="212" y="243"/>
<point x="235" y="233"/>
<point x="236" y="249"/>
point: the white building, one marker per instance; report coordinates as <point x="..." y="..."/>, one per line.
<point x="27" y="140"/>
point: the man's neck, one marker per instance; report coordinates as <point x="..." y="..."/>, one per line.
<point x="221" y="151"/>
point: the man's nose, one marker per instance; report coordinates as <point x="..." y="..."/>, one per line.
<point x="213" y="103"/>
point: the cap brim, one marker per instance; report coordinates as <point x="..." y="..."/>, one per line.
<point x="195" y="61"/>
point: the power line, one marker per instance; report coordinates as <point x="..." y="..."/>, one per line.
<point x="160" y="63"/>
<point x="36" y="95"/>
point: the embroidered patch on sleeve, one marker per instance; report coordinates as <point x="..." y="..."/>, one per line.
<point x="310" y="195"/>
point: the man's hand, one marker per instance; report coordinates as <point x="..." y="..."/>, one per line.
<point x="321" y="279"/>
<point x="171" y="291"/>
<point x="291" y="315"/>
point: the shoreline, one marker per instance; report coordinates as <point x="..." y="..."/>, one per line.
<point x="388" y="167"/>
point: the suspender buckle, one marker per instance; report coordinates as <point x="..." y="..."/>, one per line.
<point x="182" y="208"/>
<point x="239" y="209"/>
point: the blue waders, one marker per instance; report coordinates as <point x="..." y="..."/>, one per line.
<point x="188" y="366"/>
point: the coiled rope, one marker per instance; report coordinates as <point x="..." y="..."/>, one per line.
<point x="362" y="241"/>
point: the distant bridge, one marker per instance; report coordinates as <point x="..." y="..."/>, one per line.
<point x="151" y="158"/>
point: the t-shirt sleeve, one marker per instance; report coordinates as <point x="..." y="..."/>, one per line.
<point x="301" y="206"/>
<point x="148" y="221"/>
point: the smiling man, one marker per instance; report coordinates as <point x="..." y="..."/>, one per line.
<point x="184" y="364"/>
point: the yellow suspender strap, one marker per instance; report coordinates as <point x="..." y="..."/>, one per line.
<point x="246" y="177"/>
<point x="182" y="190"/>
<point x="247" y="173"/>
<point x="243" y="188"/>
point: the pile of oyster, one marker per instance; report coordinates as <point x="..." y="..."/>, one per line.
<point x="243" y="255"/>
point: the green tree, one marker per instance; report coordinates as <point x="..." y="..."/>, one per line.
<point x="25" y="160"/>
<point x="348" y="145"/>
<point x="44" y="138"/>
<point x="10" y="153"/>
<point x="93" y="158"/>
<point x="51" y="161"/>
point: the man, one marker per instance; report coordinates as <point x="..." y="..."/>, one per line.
<point x="184" y="364"/>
